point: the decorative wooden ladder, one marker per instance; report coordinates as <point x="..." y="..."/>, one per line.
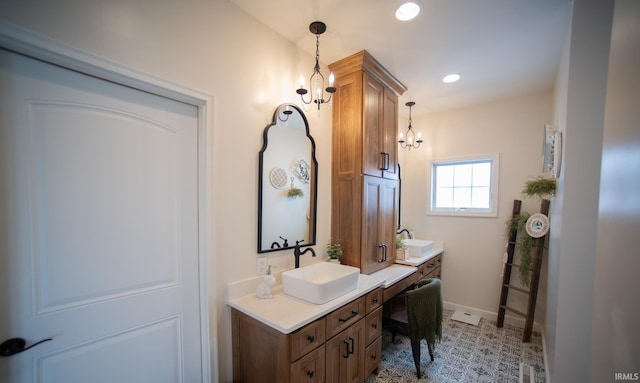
<point x="532" y="292"/>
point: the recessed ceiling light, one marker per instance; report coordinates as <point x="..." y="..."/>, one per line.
<point x="451" y="78"/>
<point x="407" y="10"/>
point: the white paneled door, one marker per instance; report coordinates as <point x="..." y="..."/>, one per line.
<point x="98" y="229"/>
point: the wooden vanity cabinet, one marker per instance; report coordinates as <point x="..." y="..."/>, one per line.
<point x="431" y="268"/>
<point x="364" y="161"/>
<point x="264" y="354"/>
<point x="343" y="346"/>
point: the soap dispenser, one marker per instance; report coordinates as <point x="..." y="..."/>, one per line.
<point x="266" y="286"/>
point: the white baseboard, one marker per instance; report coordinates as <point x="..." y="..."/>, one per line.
<point x="489" y="315"/>
<point x="545" y="360"/>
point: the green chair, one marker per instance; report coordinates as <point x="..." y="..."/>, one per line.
<point x="418" y="312"/>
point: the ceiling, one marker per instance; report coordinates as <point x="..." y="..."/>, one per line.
<point x="500" y="48"/>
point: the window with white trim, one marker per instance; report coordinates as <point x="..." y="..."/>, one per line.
<point x="465" y="186"/>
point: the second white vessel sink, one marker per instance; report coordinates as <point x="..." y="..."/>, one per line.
<point x="418" y="247"/>
<point x="320" y="282"/>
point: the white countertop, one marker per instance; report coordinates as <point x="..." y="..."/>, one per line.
<point x="287" y="314"/>
<point x="393" y="274"/>
<point x="417" y="261"/>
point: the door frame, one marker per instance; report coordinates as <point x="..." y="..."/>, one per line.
<point x="25" y="42"/>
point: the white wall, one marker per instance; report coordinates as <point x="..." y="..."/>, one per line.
<point x="615" y="345"/>
<point x="216" y="48"/>
<point x="474" y="246"/>
<point x="572" y="251"/>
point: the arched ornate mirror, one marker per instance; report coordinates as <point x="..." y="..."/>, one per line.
<point x="287" y="182"/>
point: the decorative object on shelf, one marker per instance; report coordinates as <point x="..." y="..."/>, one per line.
<point x="541" y="187"/>
<point x="551" y="151"/>
<point x="316" y="81"/>
<point x="302" y="170"/>
<point x="557" y="154"/>
<point x="294" y="192"/>
<point x="401" y="249"/>
<point x="410" y="139"/>
<point x="537" y="225"/>
<point x="278" y="177"/>
<point x="334" y="250"/>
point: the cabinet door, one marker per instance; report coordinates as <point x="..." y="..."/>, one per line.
<point x="306" y="339"/>
<point x="373" y="326"/>
<point x="310" y="368"/>
<point x="372" y="356"/>
<point x="372" y="251"/>
<point x="345" y="355"/>
<point x="378" y="217"/>
<point x="387" y="219"/>
<point x="374" y="157"/>
<point x="390" y="134"/>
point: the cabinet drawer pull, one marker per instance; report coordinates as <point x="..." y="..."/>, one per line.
<point x="375" y="300"/>
<point x="353" y="314"/>
<point x="310" y="374"/>
<point x="346" y="354"/>
<point x="311" y="338"/>
<point x="374" y="326"/>
<point x="384" y="157"/>
<point x="384" y="252"/>
<point x="374" y="356"/>
<point x="352" y="342"/>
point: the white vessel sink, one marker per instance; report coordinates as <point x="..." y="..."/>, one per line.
<point x="320" y="282"/>
<point x="418" y="247"/>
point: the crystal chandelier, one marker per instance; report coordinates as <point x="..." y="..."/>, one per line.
<point x="316" y="82"/>
<point x="410" y="139"/>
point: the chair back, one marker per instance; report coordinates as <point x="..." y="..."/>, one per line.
<point x="424" y="310"/>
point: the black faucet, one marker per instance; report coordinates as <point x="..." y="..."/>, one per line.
<point x="297" y="253"/>
<point x="404" y="231"/>
<point x="275" y="244"/>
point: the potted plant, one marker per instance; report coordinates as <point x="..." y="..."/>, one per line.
<point x="541" y="187"/>
<point x="401" y="249"/>
<point x="524" y="244"/>
<point x="295" y="193"/>
<point x="334" y="251"/>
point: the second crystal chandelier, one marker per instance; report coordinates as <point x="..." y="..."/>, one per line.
<point x="411" y="139"/>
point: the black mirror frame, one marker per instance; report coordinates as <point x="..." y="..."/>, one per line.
<point x="314" y="180"/>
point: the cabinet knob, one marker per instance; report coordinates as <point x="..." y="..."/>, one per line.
<point x="310" y="374"/>
<point x="375" y="300"/>
<point x="311" y="338"/>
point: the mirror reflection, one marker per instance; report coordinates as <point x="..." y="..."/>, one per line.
<point x="287" y="182"/>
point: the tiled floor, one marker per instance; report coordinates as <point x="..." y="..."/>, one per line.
<point x="467" y="353"/>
